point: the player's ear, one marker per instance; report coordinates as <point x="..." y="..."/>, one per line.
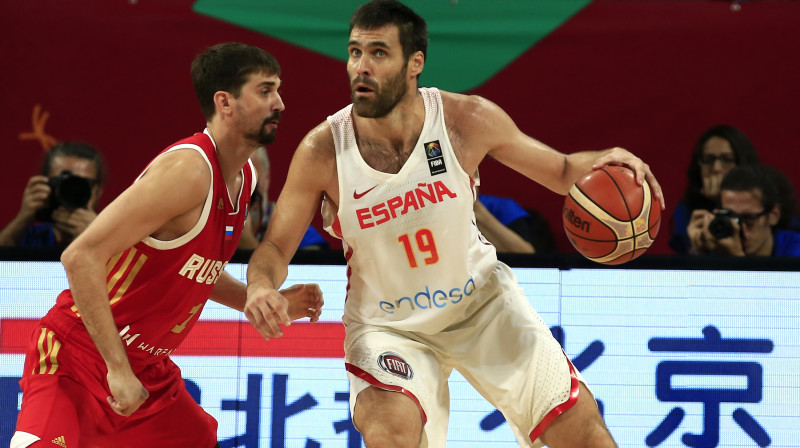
<point x="416" y="63"/>
<point x="222" y="100"/>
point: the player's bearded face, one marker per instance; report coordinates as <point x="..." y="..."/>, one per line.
<point x="265" y="134"/>
<point x="386" y="96"/>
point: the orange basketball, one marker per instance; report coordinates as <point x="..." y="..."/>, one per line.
<point x="609" y="218"/>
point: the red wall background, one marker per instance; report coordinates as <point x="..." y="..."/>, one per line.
<point x="649" y="76"/>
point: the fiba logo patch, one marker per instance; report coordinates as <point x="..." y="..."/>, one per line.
<point x="433" y="151"/>
<point x="394" y="364"/>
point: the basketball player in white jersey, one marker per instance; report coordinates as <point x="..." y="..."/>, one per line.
<point x="394" y="173"/>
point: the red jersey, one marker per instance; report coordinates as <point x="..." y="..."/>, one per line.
<point x="157" y="289"/>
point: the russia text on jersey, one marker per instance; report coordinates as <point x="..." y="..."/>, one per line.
<point x="207" y="270"/>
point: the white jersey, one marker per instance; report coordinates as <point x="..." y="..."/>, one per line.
<point x="414" y="253"/>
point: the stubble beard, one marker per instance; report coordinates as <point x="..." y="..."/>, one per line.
<point x="263" y="136"/>
<point x="386" y="98"/>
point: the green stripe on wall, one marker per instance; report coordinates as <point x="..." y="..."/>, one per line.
<point x="470" y="40"/>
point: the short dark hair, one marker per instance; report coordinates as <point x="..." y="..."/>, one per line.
<point x="775" y="186"/>
<point x="751" y="178"/>
<point x="743" y="150"/>
<point x="226" y="67"/>
<point x="412" y="29"/>
<point x="75" y="149"/>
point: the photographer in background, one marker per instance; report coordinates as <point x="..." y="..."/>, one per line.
<point x="718" y="150"/>
<point x="59" y="204"/>
<point x="749" y="220"/>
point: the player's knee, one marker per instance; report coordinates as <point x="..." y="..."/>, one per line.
<point x="581" y="426"/>
<point x="389" y="431"/>
<point x="387" y="419"/>
<point x="393" y="439"/>
<point x="598" y="436"/>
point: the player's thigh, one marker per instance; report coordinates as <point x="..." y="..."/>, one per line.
<point x="395" y="373"/>
<point x="57" y="410"/>
<point x="530" y="379"/>
<point x="182" y="423"/>
<point x="580" y="426"/>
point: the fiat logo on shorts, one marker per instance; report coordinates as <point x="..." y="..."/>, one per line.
<point x="394" y="364"/>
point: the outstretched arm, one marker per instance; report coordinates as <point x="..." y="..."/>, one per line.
<point x="486" y="129"/>
<point x="311" y="172"/>
<point x="304" y="300"/>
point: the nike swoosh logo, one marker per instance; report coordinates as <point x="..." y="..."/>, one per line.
<point x="357" y="195"/>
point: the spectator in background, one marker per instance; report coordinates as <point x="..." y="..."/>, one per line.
<point x="61" y="202"/>
<point x="748" y="220"/>
<point x="715" y="153"/>
<point x="261" y="209"/>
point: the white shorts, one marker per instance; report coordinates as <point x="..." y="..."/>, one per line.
<point x="503" y="349"/>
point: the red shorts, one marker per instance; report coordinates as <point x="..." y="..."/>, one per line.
<point x="64" y="392"/>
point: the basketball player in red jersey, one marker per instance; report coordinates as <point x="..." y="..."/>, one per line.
<point x="395" y="172"/>
<point x="98" y="371"/>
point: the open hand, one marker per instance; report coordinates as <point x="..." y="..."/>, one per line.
<point x="267" y="309"/>
<point x="305" y="300"/>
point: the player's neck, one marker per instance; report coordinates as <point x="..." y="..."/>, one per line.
<point x="232" y="150"/>
<point x="399" y="130"/>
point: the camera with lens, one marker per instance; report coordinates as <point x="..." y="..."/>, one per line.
<point x="67" y="190"/>
<point x="722" y="225"/>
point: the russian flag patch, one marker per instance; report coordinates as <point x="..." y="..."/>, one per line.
<point x="228" y="232"/>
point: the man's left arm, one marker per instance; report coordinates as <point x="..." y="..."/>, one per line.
<point x="489" y="130"/>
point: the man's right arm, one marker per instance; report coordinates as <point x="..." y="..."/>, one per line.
<point x="312" y="174"/>
<point x="168" y="197"/>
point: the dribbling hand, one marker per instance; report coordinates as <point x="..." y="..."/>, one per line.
<point x="623" y="157"/>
